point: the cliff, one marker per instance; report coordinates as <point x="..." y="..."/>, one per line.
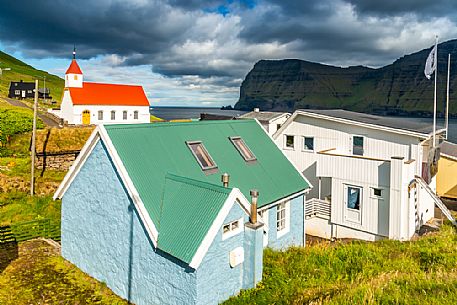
<point x="398" y="88"/>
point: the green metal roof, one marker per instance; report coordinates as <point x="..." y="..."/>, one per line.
<point x="189" y="207"/>
<point x="150" y="152"/>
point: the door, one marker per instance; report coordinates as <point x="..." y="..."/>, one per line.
<point x="23" y="93"/>
<point x="86" y="117"/>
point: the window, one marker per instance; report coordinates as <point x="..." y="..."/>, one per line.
<point x="278" y="126"/>
<point x="243" y="149"/>
<point x="377" y="192"/>
<point x="282" y="218"/>
<point x="289" y="141"/>
<point x="308" y="143"/>
<point x="100" y="115"/>
<point x="76" y="77"/>
<point x="113" y="115"/>
<point x="124" y="115"/>
<point x="353" y="197"/>
<point x="29" y="91"/>
<point x="232" y="228"/>
<point x="201" y="154"/>
<point x="135" y="115"/>
<point x="17" y="92"/>
<point x="357" y="145"/>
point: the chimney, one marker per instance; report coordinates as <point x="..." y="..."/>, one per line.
<point x="256" y="109"/>
<point x="225" y="178"/>
<point x="254" y="195"/>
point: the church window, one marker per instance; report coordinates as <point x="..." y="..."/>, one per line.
<point x="124" y="115"/>
<point x="113" y="115"/>
<point x="135" y="115"/>
<point x="76" y="77"/>
<point x="100" y="115"/>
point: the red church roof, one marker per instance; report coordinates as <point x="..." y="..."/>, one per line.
<point x="74" y="68"/>
<point x="108" y="94"/>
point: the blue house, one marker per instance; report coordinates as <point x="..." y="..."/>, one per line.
<point x="179" y="213"/>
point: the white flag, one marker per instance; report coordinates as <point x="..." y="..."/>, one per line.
<point x="430" y="64"/>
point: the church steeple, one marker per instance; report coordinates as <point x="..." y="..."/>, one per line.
<point x="74" y="75"/>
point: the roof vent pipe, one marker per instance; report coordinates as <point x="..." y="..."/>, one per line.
<point x="225" y="178"/>
<point x="256" y="109"/>
<point x="254" y="195"/>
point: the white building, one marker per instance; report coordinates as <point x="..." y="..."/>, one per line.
<point x="373" y="176"/>
<point x="96" y="103"/>
<point x="270" y="121"/>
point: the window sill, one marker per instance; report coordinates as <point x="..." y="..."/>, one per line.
<point x="283" y="232"/>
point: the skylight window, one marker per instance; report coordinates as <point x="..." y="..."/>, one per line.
<point x="201" y="154"/>
<point x="243" y="149"/>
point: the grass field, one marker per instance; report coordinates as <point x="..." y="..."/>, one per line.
<point x="22" y="71"/>
<point x="386" y="272"/>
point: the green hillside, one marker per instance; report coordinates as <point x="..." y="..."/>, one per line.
<point x="22" y="71"/>
<point x="398" y="88"/>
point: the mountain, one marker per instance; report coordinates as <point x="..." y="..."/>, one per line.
<point x="398" y="88"/>
<point x="20" y="70"/>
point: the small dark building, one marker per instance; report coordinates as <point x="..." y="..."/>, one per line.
<point x="44" y="93"/>
<point x="21" y="90"/>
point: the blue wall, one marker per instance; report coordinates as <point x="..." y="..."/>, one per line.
<point x="295" y="236"/>
<point x="216" y="280"/>
<point x="102" y="235"/>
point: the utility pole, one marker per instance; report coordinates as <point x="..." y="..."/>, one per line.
<point x="35" y="109"/>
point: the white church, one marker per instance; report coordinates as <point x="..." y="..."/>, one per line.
<point x="96" y="103"/>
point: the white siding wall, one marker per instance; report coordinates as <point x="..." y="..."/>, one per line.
<point x="143" y="114"/>
<point x="364" y="173"/>
<point x="66" y="108"/>
<point x="273" y="125"/>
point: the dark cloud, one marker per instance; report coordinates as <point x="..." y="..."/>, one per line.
<point x="400" y="7"/>
<point x="219" y="41"/>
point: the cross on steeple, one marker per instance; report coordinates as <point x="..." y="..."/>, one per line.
<point x="74" y="51"/>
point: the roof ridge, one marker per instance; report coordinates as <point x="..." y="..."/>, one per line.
<point x="111" y="84"/>
<point x="168" y="124"/>
<point x="199" y="183"/>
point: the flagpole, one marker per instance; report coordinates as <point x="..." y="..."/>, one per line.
<point x="434" y="96"/>
<point x="447" y="94"/>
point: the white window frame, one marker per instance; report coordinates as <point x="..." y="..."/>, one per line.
<point x="100" y="115"/>
<point x="135" y="115"/>
<point x="113" y="115"/>
<point x="17" y="92"/>
<point x="232" y="231"/>
<point x="306" y="149"/>
<point x="363" y="145"/>
<point x="285" y="142"/>
<point x="286" y="229"/>
<point x="353" y="215"/>
<point x="124" y="115"/>
<point x="373" y="195"/>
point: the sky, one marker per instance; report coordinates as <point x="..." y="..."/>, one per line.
<point x="197" y="52"/>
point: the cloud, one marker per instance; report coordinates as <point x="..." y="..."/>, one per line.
<point x="208" y="46"/>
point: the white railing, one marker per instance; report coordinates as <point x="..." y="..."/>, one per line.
<point x="317" y="207"/>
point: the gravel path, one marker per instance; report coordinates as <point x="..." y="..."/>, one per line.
<point x="47" y="121"/>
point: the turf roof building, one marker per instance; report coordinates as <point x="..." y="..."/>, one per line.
<point x="144" y="210"/>
<point x="96" y="103"/>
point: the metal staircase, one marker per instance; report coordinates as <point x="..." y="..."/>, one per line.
<point x="436" y="199"/>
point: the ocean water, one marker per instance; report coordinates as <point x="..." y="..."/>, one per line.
<point x="172" y="113"/>
<point x="452" y="136"/>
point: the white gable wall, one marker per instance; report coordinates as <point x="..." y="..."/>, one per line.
<point x="346" y="170"/>
<point x="66" y="107"/>
<point x="272" y="125"/>
<point x="74" y="80"/>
